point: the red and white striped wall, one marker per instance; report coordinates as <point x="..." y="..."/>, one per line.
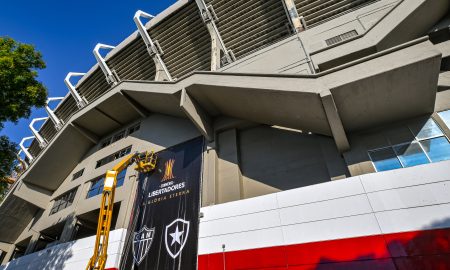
<point x="395" y="220"/>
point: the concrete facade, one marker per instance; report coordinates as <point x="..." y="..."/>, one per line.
<point x="271" y="124"/>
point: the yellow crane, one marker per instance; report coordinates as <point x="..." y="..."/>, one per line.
<point x="145" y="162"/>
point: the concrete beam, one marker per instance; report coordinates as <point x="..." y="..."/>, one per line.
<point x="136" y="106"/>
<point x="198" y="116"/>
<point x="41" y="197"/>
<point x="210" y="177"/>
<point x="86" y="133"/>
<point x="334" y="120"/>
<point x="110" y="117"/>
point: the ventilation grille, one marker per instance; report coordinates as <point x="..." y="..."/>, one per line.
<point x="133" y="62"/>
<point x="94" y="86"/>
<point x="342" y="37"/>
<point x="318" y="11"/>
<point x="246" y="26"/>
<point x="185" y="41"/>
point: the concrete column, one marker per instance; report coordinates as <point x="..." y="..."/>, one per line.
<point x="209" y="190"/>
<point x="334" y="120"/>
<point x="33" y="242"/>
<point x="69" y="229"/>
<point x="9" y="254"/>
<point x="230" y="186"/>
<point x="126" y="206"/>
<point x="441" y="124"/>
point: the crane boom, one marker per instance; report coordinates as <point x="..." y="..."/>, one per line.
<point x="145" y="162"/>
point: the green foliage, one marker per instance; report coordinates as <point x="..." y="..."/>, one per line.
<point x="8" y="152"/>
<point x="19" y="92"/>
<point x="19" y="89"/>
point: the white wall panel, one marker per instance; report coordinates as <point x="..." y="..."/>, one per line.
<point x="418" y="175"/>
<point x="331" y="209"/>
<point x="242" y="207"/>
<point x="320" y="192"/>
<point x="414" y="219"/>
<point x="255" y="221"/>
<point x="240" y="241"/>
<point x="70" y="256"/>
<point x="414" y="196"/>
<point x="338" y="228"/>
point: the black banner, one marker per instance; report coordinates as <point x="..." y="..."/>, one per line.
<point x="163" y="231"/>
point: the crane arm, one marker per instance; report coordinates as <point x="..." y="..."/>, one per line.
<point x="145" y="162"/>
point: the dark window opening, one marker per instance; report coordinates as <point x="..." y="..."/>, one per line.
<point x="63" y="201"/>
<point x="114" y="156"/>
<point x="78" y="174"/>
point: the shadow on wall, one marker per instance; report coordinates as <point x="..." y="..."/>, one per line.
<point x="50" y="258"/>
<point x="421" y="250"/>
<point x="285" y="159"/>
<point x="424" y="250"/>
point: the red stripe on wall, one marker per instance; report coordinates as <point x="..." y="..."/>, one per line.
<point x="400" y="251"/>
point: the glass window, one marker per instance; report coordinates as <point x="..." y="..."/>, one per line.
<point x="399" y="135"/>
<point x="63" y="201"/>
<point x="118" y="136"/>
<point x="134" y="128"/>
<point x="385" y="159"/>
<point x="114" y="156"/>
<point x="411" y="154"/>
<point x="426" y="130"/>
<point x="77" y="174"/>
<point x="98" y="184"/>
<point x="445" y="115"/>
<point x="106" y="142"/>
<point x="437" y="149"/>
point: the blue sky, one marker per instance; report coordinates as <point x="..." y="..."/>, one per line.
<point x="66" y="32"/>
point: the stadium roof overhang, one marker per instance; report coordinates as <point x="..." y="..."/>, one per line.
<point x="388" y="86"/>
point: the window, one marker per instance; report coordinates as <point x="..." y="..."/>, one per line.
<point x="77" y="174"/>
<point x="98" y="183"/>
<point x="105" y="143"/>
<point x="119" y="136"/>
<point x="445" y="115"/>
<point x="134" y="128"/>
<point x="385" y="159"/>
<point x="113" y="156"/>
<point x="425" y="143"/>
<point x="63" y="201"/>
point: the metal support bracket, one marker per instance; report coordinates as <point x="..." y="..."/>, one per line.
<point x="111" y="77"/>
<point x="81" y="101"/>
<point x="25" y="164"/>
<point x="42" y="142"/>
<point x="220" y="56"/>
<point x="24" y="149"/>
<point x="291" y="12"/>
<point x="56" y="121"/>
<point x="153" y="48"/>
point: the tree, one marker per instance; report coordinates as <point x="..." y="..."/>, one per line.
<point x="20" y="91"/>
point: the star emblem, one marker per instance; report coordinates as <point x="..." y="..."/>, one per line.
<point x="176" y="236"/>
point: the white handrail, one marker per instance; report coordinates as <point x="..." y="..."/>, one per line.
<point x="81" y="101"/>
<point x="24" y="149"/>
<point x="153" y="50"/>
<point x="42" y="142"/>
<point x="56" y="121"/>
<point x="110" y="77"/>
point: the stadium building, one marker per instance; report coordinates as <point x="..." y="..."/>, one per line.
<point x="326" y="126"/>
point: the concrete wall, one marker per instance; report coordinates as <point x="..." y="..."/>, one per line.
<point x="274" y="159"/>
